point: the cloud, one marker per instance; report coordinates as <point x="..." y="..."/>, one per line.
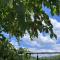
<point x="40" y="50"/>
<point x="25" y="41"/>
<point x="56" y="25"/>
<point x="56" y="47"/>
<point x="44" y="39"/>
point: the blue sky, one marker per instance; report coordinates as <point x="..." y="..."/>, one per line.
<point x="42" y="43"/>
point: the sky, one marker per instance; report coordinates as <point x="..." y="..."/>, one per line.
<point x="42" y="43"/>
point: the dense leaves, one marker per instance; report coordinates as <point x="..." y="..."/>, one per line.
<point x="19" y="16"/>
<point x="7" y="50"/>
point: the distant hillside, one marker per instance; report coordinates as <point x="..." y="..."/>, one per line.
<point x="47" y="58"/>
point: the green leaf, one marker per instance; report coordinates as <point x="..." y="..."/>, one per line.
<point x="10" y="4"/>
<point x="55" y="36"/>
<point x="51" y="35"/>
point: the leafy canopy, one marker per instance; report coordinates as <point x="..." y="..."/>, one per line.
<point x="7" y="50"/>
<point x="19" y="16"/>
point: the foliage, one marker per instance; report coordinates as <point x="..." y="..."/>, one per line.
<point x="7" y="50"/>
<point x="15" y="17"/>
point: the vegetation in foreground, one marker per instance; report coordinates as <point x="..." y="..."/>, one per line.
<point x="9" y="52"/>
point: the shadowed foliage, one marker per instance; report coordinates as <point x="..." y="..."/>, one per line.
<point x="15" y="17"/>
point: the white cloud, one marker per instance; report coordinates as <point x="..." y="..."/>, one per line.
<point x="56" y="28"/>
<point x="44" y="39"/>
<point x="40" y="50"/>
<point x="56" y="47"/>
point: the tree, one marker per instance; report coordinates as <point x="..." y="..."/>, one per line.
<point x="7" y="50"/>
<point x="15" y="17"/>
<point x="22" y="53"/>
